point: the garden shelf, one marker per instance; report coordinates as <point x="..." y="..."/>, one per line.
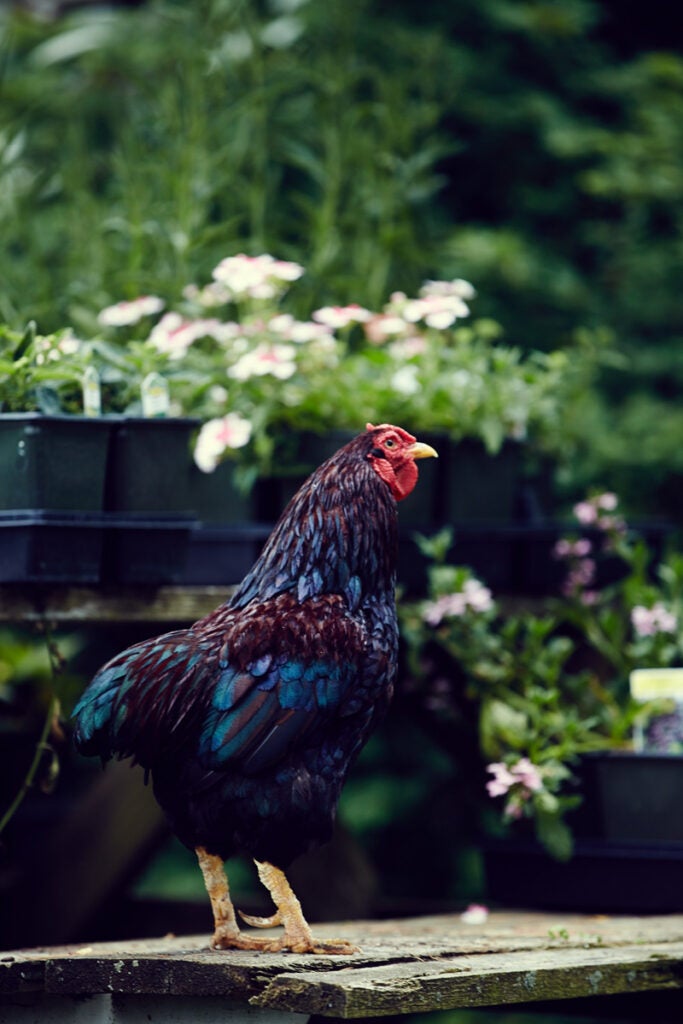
<point x="50" y="547"/>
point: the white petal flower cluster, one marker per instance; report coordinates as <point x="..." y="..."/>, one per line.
<point x="256" y="277"/>
<point x="216" y="436"/>
<point x="123" y="314"/>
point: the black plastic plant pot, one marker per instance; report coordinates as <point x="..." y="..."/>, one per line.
<point x="217" y="500"/>
<point x="139" y="549"/>
<point x="601" y="877"/>
<point x="150" y="466"/>
<point x="53" y="462"/>
<point x="479" y="487"/>
<point x="223" y="555"/>
<point x="50" y="547"/>
<point x="632" y="797"/>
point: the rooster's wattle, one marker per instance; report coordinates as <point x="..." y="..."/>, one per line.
<point x="249" y="720"/>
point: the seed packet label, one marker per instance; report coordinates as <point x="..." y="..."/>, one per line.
<point x="155" y="397"/>
<point x="92" y="393"/>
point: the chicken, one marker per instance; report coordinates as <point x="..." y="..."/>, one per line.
<point x="249" y="720"/>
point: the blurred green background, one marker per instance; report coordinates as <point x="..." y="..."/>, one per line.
<point x="535" y="148"/>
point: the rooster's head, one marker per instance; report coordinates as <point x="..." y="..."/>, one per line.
<point x="392" y="456"/>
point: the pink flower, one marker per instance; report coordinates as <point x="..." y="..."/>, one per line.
<point x="586" y="513"/>
<point x="527" y="774"/>
<point x="607" y="501"/>
<point x="650" y="621"/>
<point x="565" y="548"/>
<point x="474" y="597"/>
<point x="502" y="780"/>
<point x="476" y="913"/>
<point x="519" y="780"/>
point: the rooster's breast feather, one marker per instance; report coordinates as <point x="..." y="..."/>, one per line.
<point x="259" y="683"/>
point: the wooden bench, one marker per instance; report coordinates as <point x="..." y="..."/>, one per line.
<point x="411" y="966"/>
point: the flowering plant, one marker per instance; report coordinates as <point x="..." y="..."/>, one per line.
<point x="538" y="691"/>
<point x="40" y="373"/>
<point x="235" y="359"/>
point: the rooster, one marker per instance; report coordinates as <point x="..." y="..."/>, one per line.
<point x="249" y="720"/>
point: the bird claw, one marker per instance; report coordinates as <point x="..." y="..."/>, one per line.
<point x="297" y="944"/>
<point x="237" y="940"/>
<point x="282" y="943"/>
<point x="261" y="922"/>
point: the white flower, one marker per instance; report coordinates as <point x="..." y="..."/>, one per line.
<point x="477" y="596"/>
<point x="474" y="597"/>
<point x="384" y="325"/>
<point x="341" y="316"/>
<point x="217" y="436"/>
<point x="69" y="344"/>
<point x="218" y="394"/>
<point x="458" y="288"/>
<point x="406" y="348"/>
<point x="174" y="335"/>
<point x="122" y="314"/>
<point x="607" y="501"/>
<point x="300" y="332"/>
<point x="274" y="360"/>
<point x="256" y="277"/>
<point x="405" y="380"/>
<point x="212" y="294"/>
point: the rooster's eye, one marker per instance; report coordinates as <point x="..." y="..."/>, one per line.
<point x="389" y="443"/>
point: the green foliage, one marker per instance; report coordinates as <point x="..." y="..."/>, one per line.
<point x="40" y="372"/>
<point x="545" y="689"/>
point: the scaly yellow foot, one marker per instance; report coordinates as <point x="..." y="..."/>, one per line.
<point x="297" y="935"/>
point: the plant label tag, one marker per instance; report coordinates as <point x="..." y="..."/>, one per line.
<point x="155" y="397"/>
<point x="662" y="731"/>
<point x="92" y="393"/>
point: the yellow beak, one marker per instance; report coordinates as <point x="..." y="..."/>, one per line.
<point x="419" y="450"/>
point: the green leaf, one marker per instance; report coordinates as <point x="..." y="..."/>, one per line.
<point x="27" y="339"/>
<point x="554" y="834"/>
<point x="502" y="726"/>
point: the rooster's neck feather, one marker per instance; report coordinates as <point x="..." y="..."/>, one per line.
<point x="338" y="531"/>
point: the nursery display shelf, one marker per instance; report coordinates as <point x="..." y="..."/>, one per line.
<point x="75" y="605"/>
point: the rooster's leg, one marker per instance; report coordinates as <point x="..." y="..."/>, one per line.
<point x="297" y="936"/>
<point x="226" y="934"/>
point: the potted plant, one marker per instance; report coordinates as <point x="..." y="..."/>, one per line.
<point x="418" y="361"/>
<point x="541" y="703"/>
<point x="53" y="459"/>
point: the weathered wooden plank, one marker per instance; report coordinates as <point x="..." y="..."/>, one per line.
<point x="405" y="966"/>
<point x="477" y="981"/>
